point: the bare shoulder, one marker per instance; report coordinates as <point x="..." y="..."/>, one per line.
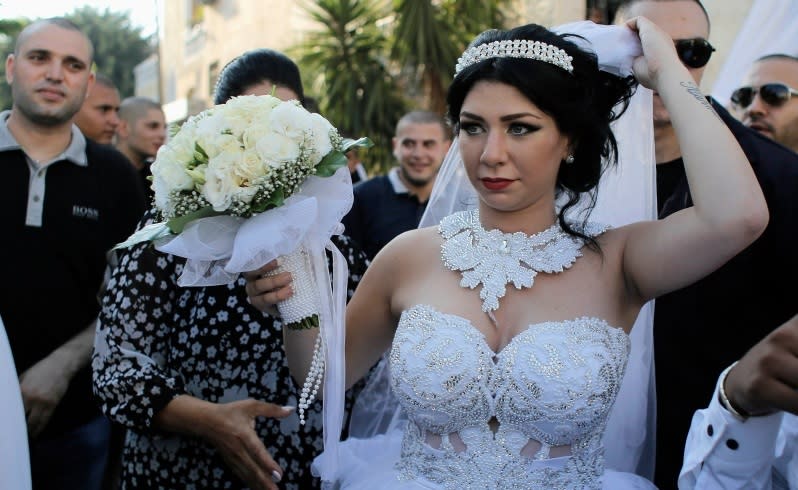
<point x="418" y="237"/>
<point x="413" y="248"/>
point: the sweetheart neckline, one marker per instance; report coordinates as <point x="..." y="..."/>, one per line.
<point x="497" y="354"/>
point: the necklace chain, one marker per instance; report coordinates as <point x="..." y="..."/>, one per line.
<point x="494" y="259"/>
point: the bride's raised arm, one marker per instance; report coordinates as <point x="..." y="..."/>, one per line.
<point x="729" y="210"/>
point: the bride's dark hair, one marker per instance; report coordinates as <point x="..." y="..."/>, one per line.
<point x="583" y="104"/>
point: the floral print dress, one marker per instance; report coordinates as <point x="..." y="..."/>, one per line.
<point x="156" y="340"/>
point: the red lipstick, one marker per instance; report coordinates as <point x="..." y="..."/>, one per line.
<point x="496" y="184"/>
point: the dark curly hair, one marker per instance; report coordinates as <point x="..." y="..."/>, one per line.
<point x="583" y="104"/>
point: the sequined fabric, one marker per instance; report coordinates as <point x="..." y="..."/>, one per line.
<point x="493" y="259"/>
<point x="554" y="384"/>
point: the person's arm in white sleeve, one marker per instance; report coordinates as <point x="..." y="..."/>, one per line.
<point x="739" y="441"/>
<point x="725" y="453"/>
<point x="785" y="468"/>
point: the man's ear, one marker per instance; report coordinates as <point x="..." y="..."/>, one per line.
<point x="122" y="130"/>
<point x="90" y="84"/>
<point x="395" y="147"/>
<point x="10" y="68"/>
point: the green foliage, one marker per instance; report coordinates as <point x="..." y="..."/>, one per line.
<point x="429" y="36"/>
<point x="370" y="61"/>
<point x="426" y="44"/>
<point x="9" y="29"/>
<point x="345" y="66"/>
<point x="118" y="46"/>
<point x="177" y="224"/>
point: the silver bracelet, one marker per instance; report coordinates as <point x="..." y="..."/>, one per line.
<point x="724" y="400"/>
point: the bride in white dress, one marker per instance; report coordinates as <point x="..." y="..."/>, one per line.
<point x="508" y="325"/>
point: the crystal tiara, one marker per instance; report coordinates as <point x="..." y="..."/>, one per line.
<point x="518" y="48"/>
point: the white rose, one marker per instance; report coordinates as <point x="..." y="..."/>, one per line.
<point x="222" y="143"/>
<point x="167" y="176"/>
<point x="209" y="128"/>
<point x="169" y="168"/>
<point x="255" y="132"/>
<point x="291" y="120"/>
<point x="263" y="104"/>
<point x="221" y="181"/>
<point x="320" y="138"/>
<point x="276" y="149"/>
<point x="237" y="118"/>
<point x="251" y="166"/>
<point x="252" y="106"/>
<point x="180" y="146"/>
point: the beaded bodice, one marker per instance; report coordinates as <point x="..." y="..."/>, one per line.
<point x="551" y="388"/>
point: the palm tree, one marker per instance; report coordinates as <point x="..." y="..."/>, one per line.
<point x="346" y="68"/>
<point x="370" y="59"/>
<point x="430" y="35"/>
<point x="423" y="44"/>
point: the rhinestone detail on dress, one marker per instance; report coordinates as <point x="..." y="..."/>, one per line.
<point x="554" y="383"/>
<point x="494" y="258"/>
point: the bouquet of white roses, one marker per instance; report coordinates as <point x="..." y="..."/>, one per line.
<point x="245" y="182"/>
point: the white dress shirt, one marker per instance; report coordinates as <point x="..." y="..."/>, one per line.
<point x="725" y="453"/>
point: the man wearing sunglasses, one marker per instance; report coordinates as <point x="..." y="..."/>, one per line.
<point x="768" y="100"/>
<point x="703" y="328"/>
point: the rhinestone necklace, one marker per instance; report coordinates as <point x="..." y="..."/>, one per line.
<point x="495" y="259"/>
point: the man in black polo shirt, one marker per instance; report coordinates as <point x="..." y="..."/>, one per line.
<point x="65" y="202"/>
<point x="388" y="205"/>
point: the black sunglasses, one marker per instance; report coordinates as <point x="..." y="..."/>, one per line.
<point x="694" y="52"/>
<point x="774" y="94"/>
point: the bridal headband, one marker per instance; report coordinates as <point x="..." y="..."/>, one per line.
<point x="517" y="48"/>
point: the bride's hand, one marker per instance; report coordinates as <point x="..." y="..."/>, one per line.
<point x="659" y="53"/>
<point x="265" y="291"/>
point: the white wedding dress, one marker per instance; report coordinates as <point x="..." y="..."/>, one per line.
<point x="530" y="416"/>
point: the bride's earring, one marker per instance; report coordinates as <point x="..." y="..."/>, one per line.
<point x="569" y="159"/>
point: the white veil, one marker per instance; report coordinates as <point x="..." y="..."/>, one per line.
<point x="627" y="193"/>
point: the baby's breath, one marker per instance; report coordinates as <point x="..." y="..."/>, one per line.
<point x="186" y="203"/>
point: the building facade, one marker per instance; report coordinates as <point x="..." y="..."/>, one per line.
<point x="198" y="37"/>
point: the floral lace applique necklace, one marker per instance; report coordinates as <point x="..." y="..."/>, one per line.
<point x="494" y="258"/>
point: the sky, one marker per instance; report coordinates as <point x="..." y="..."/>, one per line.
<point x="141" y="12"/>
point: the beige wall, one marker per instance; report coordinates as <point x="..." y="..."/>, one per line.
<point x="726" y="19"/>
<point x="230" y="27"/>
<point x="227" y="28"/>
<point x="549" y="12"/>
